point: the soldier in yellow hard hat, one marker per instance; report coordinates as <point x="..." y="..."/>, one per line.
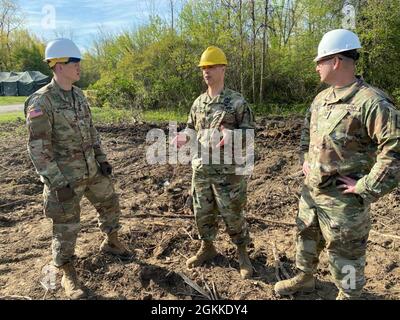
<point x="213" y="56"/>
<point x="218" y="188"/>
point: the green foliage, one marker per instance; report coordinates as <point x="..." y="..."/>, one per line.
<point x="112" y="115"/>
<point x="115" y="90"/>
<point x="379" y="30"/>
<point x="396" y="96"/>
<point x="154" y="66"/>
<point x="25" y="54"/>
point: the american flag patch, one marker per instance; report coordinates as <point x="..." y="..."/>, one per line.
<point x="37" y="112"/>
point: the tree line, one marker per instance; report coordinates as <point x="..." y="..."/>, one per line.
<point x="270" y="45"/>
<point x="20" y="50"/>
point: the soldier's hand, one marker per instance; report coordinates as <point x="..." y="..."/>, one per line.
<point x="226" y="137"/>
<point x="65" y="193"/>
<point x="106" y="168"/>
<point x="179" y="140"/>
<point x="306" y="168"/>
<point x="349" y="184"/>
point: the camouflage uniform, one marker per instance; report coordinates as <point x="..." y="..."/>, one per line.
<point x="352" y="131"/>
<point x="65" y="148"/>
<point x="216" y="188"/>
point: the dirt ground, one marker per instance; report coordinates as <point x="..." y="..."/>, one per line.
<point x="159" y="227"/>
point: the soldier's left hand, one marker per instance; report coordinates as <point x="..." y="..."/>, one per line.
<point x="106" y="168"/>
<point x="349" y="184"/>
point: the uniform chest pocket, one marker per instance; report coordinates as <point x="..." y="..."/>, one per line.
<point x="200" y="121"/>
<point x="225" y="115"/>
<point x="66" y="120"/>
<point x="216" y="117"/>
<point x="229" y="120"/>
<point x="343" y="122"/>
<point x="335" y="120"/>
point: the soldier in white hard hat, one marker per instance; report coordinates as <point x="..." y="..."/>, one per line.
<point x="66" y="150"/>
<point x="350" y="151"/>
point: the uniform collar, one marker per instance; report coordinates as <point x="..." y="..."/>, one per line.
<point x="218" y="99"/>
<point x="344" y="95"/>
<point x="61" y="92"/>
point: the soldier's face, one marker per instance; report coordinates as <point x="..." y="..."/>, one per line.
<point x="71" y="71"/>
<point x="213" y="74"/>
<point x="327" y="67"/>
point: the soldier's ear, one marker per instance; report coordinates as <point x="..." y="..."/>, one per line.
<point x="337" y="62"/>
<point x="56" y="68"/>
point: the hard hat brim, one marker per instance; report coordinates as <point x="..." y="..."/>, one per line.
<point x="206" y="63"/>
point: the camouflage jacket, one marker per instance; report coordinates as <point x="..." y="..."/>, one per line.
<point x="353" y="132"/>
<point x="63" y="143"/>
<point x="208" y="114"/>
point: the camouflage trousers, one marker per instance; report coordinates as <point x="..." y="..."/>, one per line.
<point x="224" y="194"/>
<point x="99" y="190"/>
<point x="340" y="223"/>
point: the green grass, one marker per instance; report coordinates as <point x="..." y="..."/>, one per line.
<point x="12" y="117"/>
<point x="4" y="101"/>
<point x="108" y="115"/>
<point x="164" y="115"/>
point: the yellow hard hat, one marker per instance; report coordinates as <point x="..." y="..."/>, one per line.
<point x="212" y="56"/>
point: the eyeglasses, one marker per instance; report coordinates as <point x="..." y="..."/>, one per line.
<point x="328" y="58"/>
<point x="72" y="60"/>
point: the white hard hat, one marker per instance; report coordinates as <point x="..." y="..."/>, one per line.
<point x="61" y="48"/>
<point x="336" y="41"/>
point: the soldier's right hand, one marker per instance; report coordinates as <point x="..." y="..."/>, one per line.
<point x="65" y="193"/>
<point x="179" y="140"/>
<point x="306" y="168"/>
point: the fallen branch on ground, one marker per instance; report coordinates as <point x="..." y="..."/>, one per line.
<point x="279" y="266"/>
<point x="156" y="215"/>
<point x="272" y="221"/>
<point x="211" y="293"/>
<point x="15" y="202"/>
<point x="386" y="235"/>
<point x="13" y="297"/>
<point x="297" y="174"/>
<point x="194" y="285"/>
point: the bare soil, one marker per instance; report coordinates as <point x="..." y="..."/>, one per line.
<point x="159" y="228"/>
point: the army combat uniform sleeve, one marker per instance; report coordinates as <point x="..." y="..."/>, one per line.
<point x="305" y="137"/>
<point x="39" y="122"/>
<point x="191" y="123"/>
<point x="245" y="121"/>
<point x="245" y="116"/>
<point x="383" y="127"/>
<point x="98" y="150"/>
